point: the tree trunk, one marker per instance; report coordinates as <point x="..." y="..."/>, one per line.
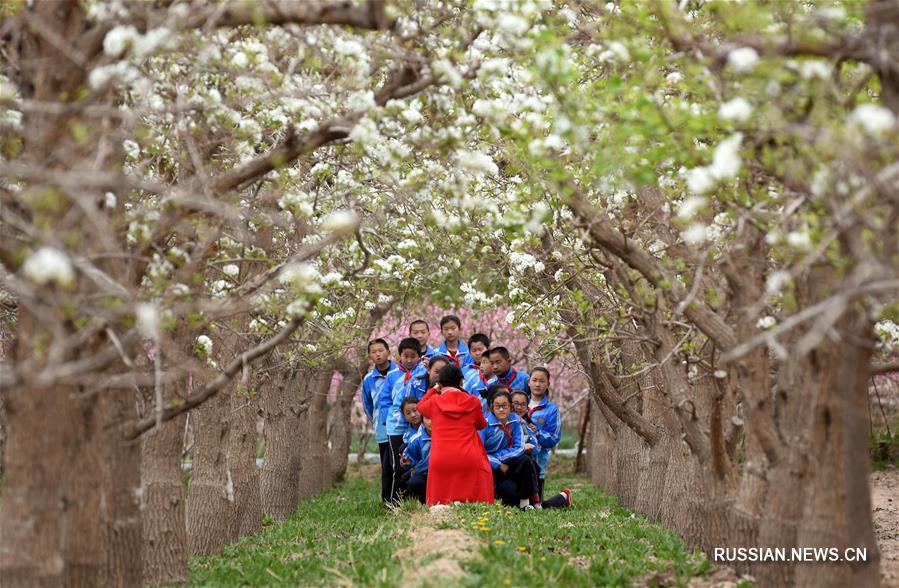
<point x="340" y="431"/>
<point x="281" y="408"/>
<point x="164" y="523"/>
<point x="210" y="497"/>
<point x="601" y="456"/>
<point x="242" y="462"/>
<point x="314" y="468"/>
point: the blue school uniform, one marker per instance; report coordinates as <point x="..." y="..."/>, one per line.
<point x="400" y="384"/>
<point x="529" y="437"/>
<point x="419" y="450"/>
<point x="462" y="355"/>
<point x="513" y="380"/>
<point x="475" y="385"/>
<point x="376" y="400"/>
<point x="502" y="443"/>
<point x="548" y="420"/>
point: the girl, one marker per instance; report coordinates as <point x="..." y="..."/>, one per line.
<point x="458" y="469"/>
<point x="514" y="473"/>
<point x="532" y="448"/>
<point x="546" y="422"/>
<point x="416" y="457"/>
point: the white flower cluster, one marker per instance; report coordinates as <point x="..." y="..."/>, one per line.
<point x="49" y="265"/>
<point x="522" y="262"/>
<point x="340" y="222"/>
<point x="736" y="109"/>
<point x="725" y="164"/>
<point x="742" y="60"/>
<point x="874" y="119"/>
<point x="119" y="39"/>
<point x="204" y="345"/>
<point x="766" y="322"/>
<point x="473" y="296"/>
<point x="888" y="333"/>
<point x="297" y="203"/>
<point x="476" y="162"/>
<point x="302" y="277"/>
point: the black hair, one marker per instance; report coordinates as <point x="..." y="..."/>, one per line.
<point x="376" y="342"/>
<point x="522" y="392"/>
<point x="493" y="389"/>
<point x="437" y="359"/>
<point x="410" y="343"/>
<point x="544" y="370"/>
<point x="419" y="321"/>
<point x="501" y="393"/>
<point x="407" y="401"/>
<point x="501" y="350"/>
<point x="479" y="338"/>
<point x="450" y="318"/>
<point x="450" y="375"/>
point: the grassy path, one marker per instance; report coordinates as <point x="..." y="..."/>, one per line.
<point x="346" y="537"/>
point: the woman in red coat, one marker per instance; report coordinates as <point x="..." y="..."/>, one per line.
<point x="458" y="468"/>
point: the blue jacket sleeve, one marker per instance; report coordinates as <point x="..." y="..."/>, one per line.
<point x="550" y="433"/>
<point x="368" y="404"/>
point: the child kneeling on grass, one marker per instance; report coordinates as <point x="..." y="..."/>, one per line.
<point x="416" y="456"/>
<point x="514" y="473"/>
<point x="532" y="448"/>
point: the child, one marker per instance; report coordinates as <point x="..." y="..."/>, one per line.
<point x="532" y="448"/>
<point x="546" y="421"/>
<point x="416" y="456"/>
<point x="376" y="402"/>
<point x="514" y="473"/>
<point x="474" y="380"/>
<point x="454" y="349"/>
<point x="437" y="362"/>
<point x="412" y="416"/>
<point x="420" y="330"/>
<point x="409" y="379"/>
<point x="501" y="361"/>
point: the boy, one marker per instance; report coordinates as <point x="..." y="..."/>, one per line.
<point x="410" y="378"/>
<point x="420" y="330"/>
<point x="504" y="373"/>
<point x="546" y="421"/>
<point x="479" y="372"/>
<point x="454" y="349"/>
<point x="376" y="402"/>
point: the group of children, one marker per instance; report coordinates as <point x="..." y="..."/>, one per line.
<point x="522" y="424"/>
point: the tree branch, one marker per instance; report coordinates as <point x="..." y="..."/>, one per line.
<point x="370" y="15"/>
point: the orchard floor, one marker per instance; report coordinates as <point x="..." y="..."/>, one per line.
<point x="347" y="537"/>
<point x="885" y="503"/>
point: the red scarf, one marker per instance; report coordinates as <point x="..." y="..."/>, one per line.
<point x="531" y="411"/>
<point x="407" y="374"/>
<point x="451" y="355"/>
<point x="512" y="375"/>
<point x="508" y="433"/>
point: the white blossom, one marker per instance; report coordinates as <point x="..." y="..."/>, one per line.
<point x="743" y="59"/>
<point x="695" y="234"/>
<point x="814" y="68"/>
<point x="49" y="265"/>
<point x="873" y="118"/>
<point x="476" y="162"/>
<point x="301" y="276"/>
<point x="674" y="78"/>
<point x="447" y="72"/>
<point x="512" y="24"/>
<point x="297" y="308"/>
<point x="766" y="322"/>
<point x="109" y="200"/>
<point x="118" y="39"/>
<point x="691" y="206"/>
<point x="146" y="316"/>
<point x="204" y="345"/>
<point x="776" y="282"/>
<point x="726" y="158"/>
<point x="737" y="109"/>
<point x="231" y="270"/>
<point x="799" y="240"/>
<point x="340" y="222"/>
<point x="699" y="180"/>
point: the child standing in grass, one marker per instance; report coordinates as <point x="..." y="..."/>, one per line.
<point x="475" y="378"/>
<point x="453" y="348"/>
<point x="410" y="379"/>
<point x="503" y="372"/>
<point x="546" y="420"/>
<point x="376" y="403"/>
<point x="421" y="331"/>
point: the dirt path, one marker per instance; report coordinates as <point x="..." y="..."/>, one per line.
<point x="435" y="555"/>
<point x="885" y="502"/>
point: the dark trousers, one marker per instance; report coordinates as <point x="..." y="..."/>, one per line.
<point x="396" y="453"/>
<point x="386" y="471"/>
<point x="557" y="501"/>
<point x="416" y="485"/>
<point x="520" y="481"/>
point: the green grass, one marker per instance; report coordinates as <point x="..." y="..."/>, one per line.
<point x="345" y="536"/>
<point x="340" y="536"/>
<point x="569" y="440"/>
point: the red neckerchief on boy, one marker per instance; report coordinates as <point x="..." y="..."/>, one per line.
<point x="451" y="355"/>
<point x="481" y="374"/>
<point x="508" y="381"/>
<point x="534" y="409"/>
<point x="407" y="374"/>
<point x="508" y="433"/>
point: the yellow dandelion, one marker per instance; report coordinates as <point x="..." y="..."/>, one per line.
<point x="542" y="558"/>
<point x="485" y="529"/>
<point x="522" y="548"/>
<point x="500" y="542"/>
<point x="507" y="582"/>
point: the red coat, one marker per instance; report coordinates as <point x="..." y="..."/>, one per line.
<point x="458" y="469"/>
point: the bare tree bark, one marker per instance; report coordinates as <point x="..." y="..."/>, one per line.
<point x="314" y="468"/>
